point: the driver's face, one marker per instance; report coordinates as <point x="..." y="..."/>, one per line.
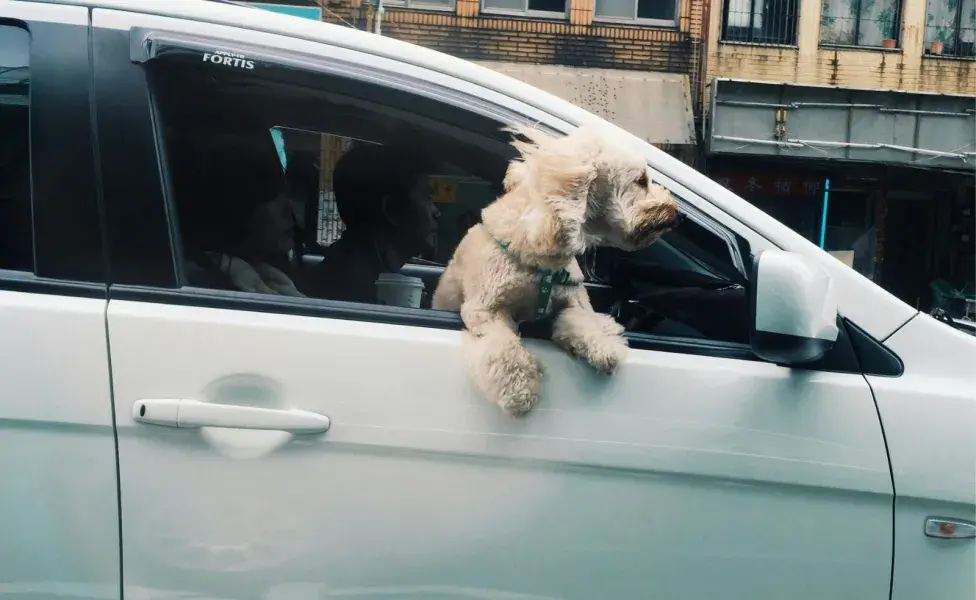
<point x="423" y="216"/>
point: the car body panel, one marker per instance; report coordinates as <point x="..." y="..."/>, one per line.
<point x="60" y="519"/>
<point x="772" y="482"/>
<point x="929" y="419"/>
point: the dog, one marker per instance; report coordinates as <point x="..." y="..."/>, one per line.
<point x="561" y="196"/>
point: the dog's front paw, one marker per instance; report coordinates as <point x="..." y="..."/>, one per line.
<point x="504" y="371"/>
<point x="518" y="382"/>
<point x="605" y="354"/>
<point x="520" y="402"/>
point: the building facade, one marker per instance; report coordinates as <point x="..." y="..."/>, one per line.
<point x="854" y="122"/>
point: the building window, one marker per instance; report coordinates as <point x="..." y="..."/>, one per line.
<point x="422" y="4"/>
<point x="539" y="7"/>
<point x="660" y="11"/>
<point x="871" y="23"/>
<point x="950" y="28"/>
<point x="760" y="21"/>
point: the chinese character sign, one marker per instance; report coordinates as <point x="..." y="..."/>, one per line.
<point x="771" y="184"/>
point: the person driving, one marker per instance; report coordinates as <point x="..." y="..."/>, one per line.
<point x="382" y="196"/>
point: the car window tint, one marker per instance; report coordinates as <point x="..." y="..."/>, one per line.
<point x="310" y="187"/>
<point x="16" y="238"/>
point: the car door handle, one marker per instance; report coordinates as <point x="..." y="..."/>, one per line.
<point x="192" y="413"/>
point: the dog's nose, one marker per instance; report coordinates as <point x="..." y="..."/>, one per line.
<point x="679" y="218"/>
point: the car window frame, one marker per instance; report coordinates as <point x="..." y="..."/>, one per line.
<point x="67" y="237"/>
<point x="145" y="44"/>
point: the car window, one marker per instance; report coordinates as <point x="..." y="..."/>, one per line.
<point x="281" y="152"/>
<point x="314" y="188"/>
<point x="16" y="239"/>
<point x="689" y="284"/>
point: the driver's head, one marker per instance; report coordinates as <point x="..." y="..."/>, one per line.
<point x="382" y="191"/>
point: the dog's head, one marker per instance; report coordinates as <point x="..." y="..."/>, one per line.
<point x="625" y="208"/>
<point x="567" y="193"/>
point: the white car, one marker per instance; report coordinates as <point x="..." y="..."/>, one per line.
<point x="815" y="440"/>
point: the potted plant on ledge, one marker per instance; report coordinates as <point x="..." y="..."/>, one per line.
<point x="886" y="18"/>
<point x="942" y="30"/>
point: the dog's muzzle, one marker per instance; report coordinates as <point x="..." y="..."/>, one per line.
<point x="651" y="229"/>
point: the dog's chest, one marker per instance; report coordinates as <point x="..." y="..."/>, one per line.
<point x="537" y="295"/>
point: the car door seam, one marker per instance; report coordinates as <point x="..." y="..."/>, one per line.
<point x="97" y="166"/>
<point x="884" y="437"/>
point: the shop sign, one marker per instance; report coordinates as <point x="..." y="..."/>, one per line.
<point x="771" y="184"/>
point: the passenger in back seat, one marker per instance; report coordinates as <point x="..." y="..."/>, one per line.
<point x="236" y="221"/>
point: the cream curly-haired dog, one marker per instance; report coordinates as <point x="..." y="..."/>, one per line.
<point x="565" y="194"/>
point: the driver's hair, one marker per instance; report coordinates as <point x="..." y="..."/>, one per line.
<point x="368" y="172"/>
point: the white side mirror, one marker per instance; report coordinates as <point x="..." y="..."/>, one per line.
<point x="794" y="308"/>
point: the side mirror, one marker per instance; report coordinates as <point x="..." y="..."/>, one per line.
<point x="793" y="308"/>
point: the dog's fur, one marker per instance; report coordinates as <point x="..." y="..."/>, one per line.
<point x="565" y="194"/>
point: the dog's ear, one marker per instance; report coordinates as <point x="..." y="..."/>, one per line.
<point x="527" y="139"/>
<point x="554" y="166"/>
<point x="542" y="235"/>
<point x="526" y="223"/>
<point x="514" y="175"/>
<point x="542" y="213"/>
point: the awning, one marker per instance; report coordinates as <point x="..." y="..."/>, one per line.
<point x="842" y="124"/>
<point x="653" y="106"/>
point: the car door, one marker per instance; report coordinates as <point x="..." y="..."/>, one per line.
<point x="697" y="471"/>
<point x="57" y="449"/>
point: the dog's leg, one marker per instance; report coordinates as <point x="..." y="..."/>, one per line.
<point x="448" y="294"/>
<point x="594" y="337"/>
<point x="499" y="364"/>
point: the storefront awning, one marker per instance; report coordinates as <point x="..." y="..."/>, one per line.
<point x="750" y="118"/>
<point x="655" y="107"/>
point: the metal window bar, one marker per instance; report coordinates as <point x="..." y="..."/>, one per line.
<point x="868" y="23"/>
<point x="771" y="22"/>
<point x="961" y="38"/>
<point x="330" y="225"/>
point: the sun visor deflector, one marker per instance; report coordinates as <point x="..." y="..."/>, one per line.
<point x="147" y="45"/>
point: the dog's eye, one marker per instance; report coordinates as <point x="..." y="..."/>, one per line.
<point x="642" y="180"/>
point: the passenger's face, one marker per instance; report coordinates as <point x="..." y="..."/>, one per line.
<point x="272" y="226"/>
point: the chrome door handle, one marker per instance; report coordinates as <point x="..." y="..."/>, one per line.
<point x="192" y="414"/>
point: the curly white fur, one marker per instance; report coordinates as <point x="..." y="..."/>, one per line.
<point x="562" y="195"/>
